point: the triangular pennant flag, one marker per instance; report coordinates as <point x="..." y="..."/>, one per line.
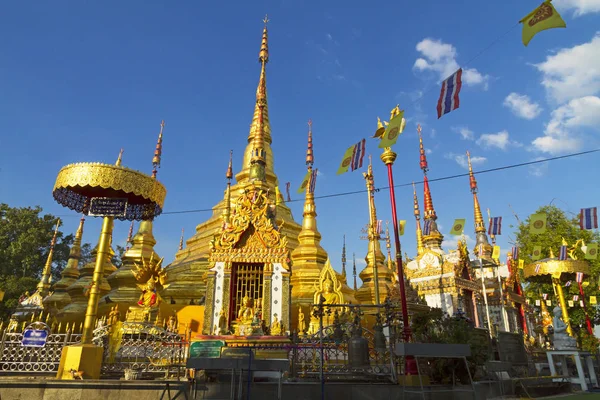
<point x="304" y="183"/>
<point x="537" y="223"/>
<point x="537" y="253"/>
<point x="393" y="130"/>
<point x="458" y="227"/>
<point x="592" y="251"/>
<point x="542" y="18"/>
<point x="401" y="225"/>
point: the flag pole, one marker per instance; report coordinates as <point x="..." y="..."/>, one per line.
<point x="587" y="317"/>
<point x="485" y="299"/>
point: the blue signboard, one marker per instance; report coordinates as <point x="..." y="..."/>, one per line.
<point x="34" y="337"/>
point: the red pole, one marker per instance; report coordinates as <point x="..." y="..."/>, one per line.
<point x="587" y="317"/>
<point x="509" y="262"/>
<point x="388" y="157"/>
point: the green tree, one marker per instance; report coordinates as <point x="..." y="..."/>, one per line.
<point x="560" y="226"/>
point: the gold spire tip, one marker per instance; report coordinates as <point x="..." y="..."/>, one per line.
<point x="158" y="150"/>
<point x="120" y="158"/>
<point x="266" y="19"/>
<point x="229" y="173"/>
<point x="263" y="55"/>
<point x="310" y="159"/>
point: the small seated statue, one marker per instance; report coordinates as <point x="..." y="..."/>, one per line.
<point x="245" y="318"/>
<point x="275" y="326"/>
<point x="562" y="340"/>
<point x="148" y="298"/>
<point x="146" y="309"/>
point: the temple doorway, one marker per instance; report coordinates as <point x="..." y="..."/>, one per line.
<point x="246" y="280"/>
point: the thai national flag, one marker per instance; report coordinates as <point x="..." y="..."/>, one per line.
<point x="313" y="180"/>
<point x="563" y="253"/>
<point x="495" y="226"/>
<point x="537" y="268"/>
<point x="545" y="295"/>
<point x="427" y="227"/>
<point x="579" y="277"/>
<point x="357" y="155"/>
<point x="588" y="219"/>
<point x="449" y="100"/>
<point x="515" y="253"/>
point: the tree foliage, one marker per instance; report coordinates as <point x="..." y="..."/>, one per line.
<point x="560" y="226"/>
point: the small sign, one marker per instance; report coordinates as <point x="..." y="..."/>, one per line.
<point x="107" y="207"/>
<point x="206" y="349"/>
<point x="34" y="337"/>
<point x="512" y="348"/>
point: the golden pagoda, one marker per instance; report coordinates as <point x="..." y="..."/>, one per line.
<point x="69" y="275"/>
<point x="444" y="280"/>
<point x="377" y="280"/>
<point x="187" y="274"/>
<point x="308" y="258"/>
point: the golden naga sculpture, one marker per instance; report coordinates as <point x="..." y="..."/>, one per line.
<point x="151" y="274"/>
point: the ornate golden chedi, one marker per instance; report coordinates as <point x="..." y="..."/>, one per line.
<point x="188" y="272"/>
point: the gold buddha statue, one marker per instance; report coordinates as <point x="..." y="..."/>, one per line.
<point x="328" y="294"/>
<point x="275" y="326"/>
<point x="246" y="313"/>
<point x="301" y="323"/>
<point x="149" y="297"/>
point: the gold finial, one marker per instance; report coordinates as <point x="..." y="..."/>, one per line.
<point x="354" y="269"/>
<point x="551" y="253"/>
<point x="158" y="150"/>
<point x="479" y="224"/>
<point x="380" y="129"/>
<point x="263" y="55"/>
<point x="181" y="240"/>
<point x="344" y="258"/>
<point x="472" y="180"/>
<point x="229" y="173"/>
<point x="309" y="151"/>
<point x="395" y="111"/>
<point x="266" y="19"/>
<point x="417" y="214"/>
<point x="422" y="157"/>
<point x="120" y="158"/>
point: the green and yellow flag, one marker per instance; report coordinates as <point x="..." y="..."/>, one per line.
<point x="496" y="253"/>
<point x="304" y="183"/>
<point x="592" y="251"/>
<point x="537" y="223"/>
<point x="393" y="130"/>
<point x="346" y="161"/>
<point x="542" y="18"/>
<point x="458" y="227"/>
<point x="537" y="253"/>
<point x="401" y="225"/>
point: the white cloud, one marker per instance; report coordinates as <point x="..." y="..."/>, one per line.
<point x="572" y="72"/>
<point x="440" y="58"/>
<point x="522" y="106"/>
<point x="451" y="242"/>
<point x="428" y="151"/>
<point x="579" y="7"/>
<point x="500" y="140"/>
<point x="465" y="133"/>
<point x="560" y="135"/>
<point x="461" y="159"/>
<point x="539" y="169"/>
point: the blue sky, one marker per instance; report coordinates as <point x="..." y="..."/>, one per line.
<point x="80" y="81"/>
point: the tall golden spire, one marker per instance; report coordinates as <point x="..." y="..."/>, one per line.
<point x="376" y="277"/>
<point x="181" y="240"/>
<point x="44" y="285"/>
<point x="418" y="220"/>
<point x="344" y="258"/>
<point x="60" y="298"/>
<point x="228" y="176"/>
<point x="309" y="257"/>
<point x="129" y="236"/>
<point x="479" y="223"/>
<point x="433" y="238"/>
<point x="119" y="158"/>
<point x="158" y="150"/>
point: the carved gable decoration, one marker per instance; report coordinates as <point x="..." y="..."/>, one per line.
<point x="250" y="233"/>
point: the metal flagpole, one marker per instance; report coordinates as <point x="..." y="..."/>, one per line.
<point x="485" y="300"/>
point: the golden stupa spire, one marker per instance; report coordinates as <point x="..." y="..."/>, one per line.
<point x="354" y="269"/>
<point x="44" y="285"/>
<point x="120" y="158"/>
<point x="344" y="258"/>
<point x="309" y="257"/>
<point x="60" y="298"/>
<point x="480" y="232"/>
<point x="418" y="220"/>
<point x="181" y="240"/>
<point x="433" y="238"/>
<point x="228" y="176"/>
<point x="158" y="150"/>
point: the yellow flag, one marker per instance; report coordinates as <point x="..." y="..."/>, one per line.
<point x="1" y="294"/>
<point x="593" y="300"/>
<point x="346" y="161"/>
<point x="496" y="253"/>
<point x="458" y="227"/>
<point x="571" y="303"/>
<point x="521" y="264"/>
<point x="538" y="303"/>
<point x="542" y="18"/>
<point x="304" y="183"/>
<point x="549" y="303"/>
<point x="585" y="284"/>
<point x="393" y="130"/>
<point x="592" y="251"/>
<point x="537" y="223"/>
<point x="401" y="225"/>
